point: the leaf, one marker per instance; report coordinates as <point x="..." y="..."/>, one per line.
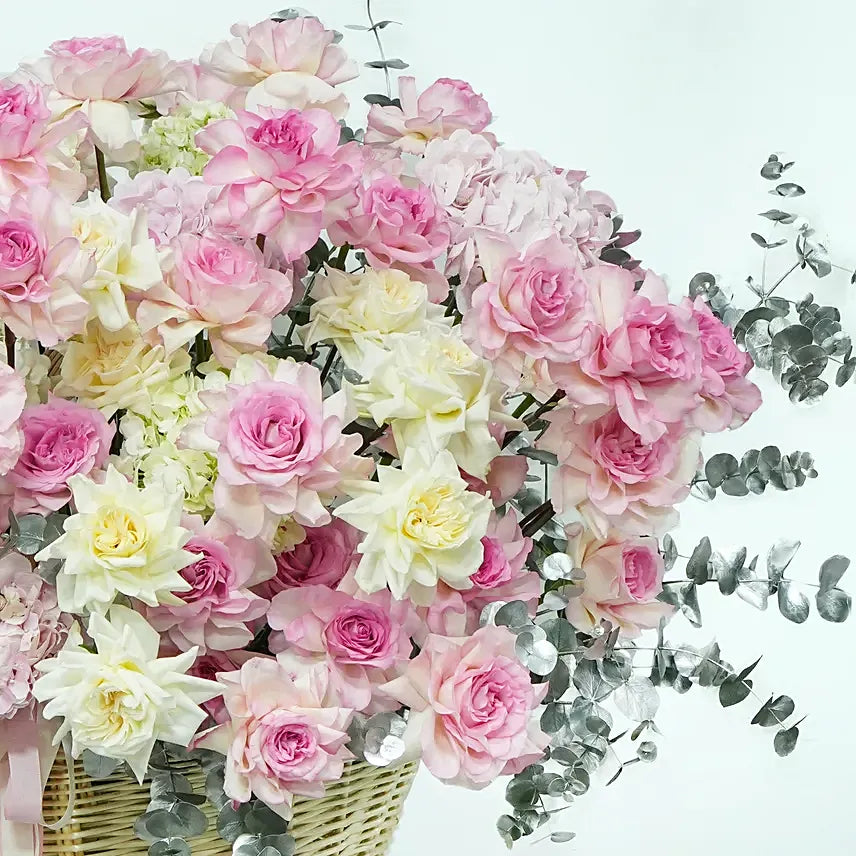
<point x="721" y="467"/>
<point x="540" y="455"/>
<point x="647" y="751"/>
<point x="794" y="336"/>
<point x="773" y="169"/>
<point x="726" y="566"/>
<point x="780" y="556"/>
<point x="560" y="680"/>
<point x="31" y="534"/>
<point x="778" y="216"/>
<point x="97" y="766"/>
<point x="788" y="189"/>
<point x="786" y="740"/>
<point x="637" y="699"/>
<point x="833" y="605"/>
<point x="562" y="837"/>
<point x="553" y="718"/>
<point x="513" y="614"/>
<point x="538" y="655"/>
<point x="398" y="64"/>
<point x="697" y="565"/>
<point x="733" y="691"/>
<point x="793" y="604"/>
<point x="557" y="566"/>
<point x="845" y="372"/>
<point x="588" y="680"/>
<point x="832" y="570"/>
<point x="689" y="605"/>
<point x="735" y="486"/>
<point x="774" y="712"/>
<point x="670" y="552"/>
<point x="560" y="633"/>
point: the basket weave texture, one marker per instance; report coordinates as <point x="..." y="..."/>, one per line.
<point x="357" y="817"/>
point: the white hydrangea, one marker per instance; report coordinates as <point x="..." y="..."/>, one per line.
<point x="170" y="141"/>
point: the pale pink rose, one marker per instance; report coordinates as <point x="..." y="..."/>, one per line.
<point x="622" y="581"/>
<point x="613" y="477"/>
<point x="323" y="558"/>
<point x="444" y="107"/>
<point x="28" y="140"/>
<point x="215" y="614"/>
<point x="446" y="615"/>
<point x="532" y="308"/>
<point x="42" y="268"/>
<point x="32" y="628"/>
<point x="283" y="737"/>
<point x="61" y="439"/>
<point x="280" y="448"/>
<point x="729" y="398"/>
<point x="365" y="640"/>
<point x="503" y="574"/>
<point x="175" y="202"/>
<point x="285" y="64"/>
<point x="106" y="80"/>
<point x="488" y="188"/>
<point x="195" y="84"/>
<point x="643" y="354"/>
<point x="216" y="284"/>
<point x="283" y="174"/>
<point x="398" y="227"/>
<point x="13" y="397"/>
<point x="472" y="707"/>
<point x="505" y="477"/>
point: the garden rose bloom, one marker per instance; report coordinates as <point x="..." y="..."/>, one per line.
<point x="215" y="613"/>
<point x="400" y="227"/>
<point x="218" y="285"/>
<point x="351" y="310"/>
<point x="13" y="397"/>
<point x="435" y="393"/>
<point x="365" y="640"/>
<point x="444" y="107"/>
<point x="322" y="558"/>
<point x="175" y="202"/>
<point x="284" y="736"/>
<point x="42" y="268"/>
<point x="642" y="355"/>
<point x="622" y="581"/>
<point x="422" y="526"/>
<point x="32" y="628"/>
<point x="280" y="447"/>
<point x="117" y="371"/>
<point x="502" y="574"/>
<point x="28" y="143"/>
<point x="283" y="175"/>
<point x="283" y="64"/>
<point x="613" y="477"/>
<point x="106" y="81"/>
<point x="121" y="540"/>
<point x="119" y="701"/>
<point x="729" y="397"/>
<point x="532" y="309"/>
<point x="208" y="666"/>
<point x="472" y="707"/>
<point x="61" y="439"/>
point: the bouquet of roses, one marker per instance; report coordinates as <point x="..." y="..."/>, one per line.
<point x="321" y="444"/>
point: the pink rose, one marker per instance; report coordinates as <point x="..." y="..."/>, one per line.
<point x="280" y="447"/>
<point x="195" y="83"/>
<point x="622" y="581"/>
<point x="503" y="574"/>
<point x="61" y="439"/>
<point x="211" y="664"/>
<point x="505" y="477"/>
<point x="398" y="227"/>
<point x="175" y="202"/>
<point x="531" y="310"/>
<point x="613" y="477"/>
<point x="365" y="640"/>
<point x="13" y="397"/>
<point x="216" y="611"/>
<point x="218" y="285"/>
<point x="643" y="354"/>
<point x="42" y="269"/>
<point x="472" y="707"/>
<point x="729" y="397"/>
<point x="283" y="174"/>
<point x="285" y="64"/>
<point x="323" y="558"/>
<point x="283" y="737"/>
<point x="446" y="615"/>
<point x="32" y="628"/>
<point x="444" y="107"/>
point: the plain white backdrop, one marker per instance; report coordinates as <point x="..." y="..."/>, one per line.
<point x="671" y="106"/>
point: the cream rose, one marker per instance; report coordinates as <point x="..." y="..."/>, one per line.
<point x="119" y="700"/>
<point x="422" y="526"/>
<point x="122" y="540"/>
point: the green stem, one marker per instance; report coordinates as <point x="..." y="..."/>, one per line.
<point x="341" y="258"/>
<point x="528" y="401"/>
<point x="101" y="166"/>
<point x="334" y="352"/>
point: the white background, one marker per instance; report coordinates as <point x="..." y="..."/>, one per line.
<point x="672" y="106"/>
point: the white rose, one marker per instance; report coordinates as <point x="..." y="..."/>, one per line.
<point x="119" y="701"/>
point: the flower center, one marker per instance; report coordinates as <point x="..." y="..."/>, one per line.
<point x="436" y="518"/>
<point x="118" y="533"/>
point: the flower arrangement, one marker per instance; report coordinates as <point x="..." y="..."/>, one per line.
<point x="322" y="445"/>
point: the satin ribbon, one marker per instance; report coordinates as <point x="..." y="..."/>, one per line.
<point x="27" y="754"/>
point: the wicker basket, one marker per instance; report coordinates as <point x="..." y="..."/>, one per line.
<point x="357" y="817"/>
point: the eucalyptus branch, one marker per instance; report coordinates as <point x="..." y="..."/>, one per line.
<point x="374" y="29"/>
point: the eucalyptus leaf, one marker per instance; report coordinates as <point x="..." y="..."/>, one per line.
<point x="670" y="552"/>
<point x="733" y="691"/>
<point x="833" y="605"/>
<point x="788" y="189"/>
<point x="562" y="837"/>
<point x="697" y="565"/>
<point x="637" y="699"/>
<point x="793" y="604"/>
<point x="513" y="614"/>
<point x="774" y="712"/>
<point x="538" y="655"/>
<point x="785" y="741"/>
<point x="589" y="681"/>
<point x="553" y="718"/>
<point x="169" y="847"/>
<point x="540" y="455"/>
<point x="557" y="566"/>
<point x="97" y="766"/>
<point x="832" y="570"/>
<point x="780" y="556"/>
<point x="647" y="751"/>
